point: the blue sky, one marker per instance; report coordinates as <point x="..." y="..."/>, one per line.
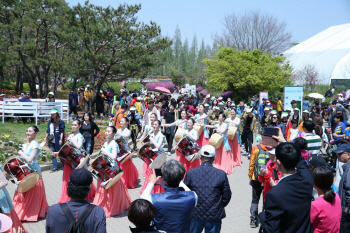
<point x="304" y="18"/>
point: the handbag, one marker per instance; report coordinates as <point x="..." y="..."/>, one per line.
<point x="50" y="138"/>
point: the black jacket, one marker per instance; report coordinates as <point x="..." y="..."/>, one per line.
<point x="287" y="205"/>
<point x="213" y="191"/>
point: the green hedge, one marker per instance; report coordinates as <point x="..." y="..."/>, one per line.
<point x="116" y="87"/>
<point x="11" y="86"/>
<point x="133" y="86"/>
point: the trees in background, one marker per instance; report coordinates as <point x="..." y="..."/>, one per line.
<point x="308" y="76"/>
<point x="254" y="30"/>
<point x="44" y="40"/>
<point x="247" y="72"/>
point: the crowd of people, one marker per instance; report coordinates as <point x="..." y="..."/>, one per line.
<point x="301" y="173"/>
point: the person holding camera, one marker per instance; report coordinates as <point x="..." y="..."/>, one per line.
<point x="175" y="206"/>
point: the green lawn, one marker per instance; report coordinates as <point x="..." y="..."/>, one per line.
<point x="17" y="131"/>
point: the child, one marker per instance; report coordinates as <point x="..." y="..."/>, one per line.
<point x="302" y="144"/>
<point x="269" y="177"/>
<point x="347" y="131"/>
<point x="111" y="117"/>
<point x="326" y="211"/>
<point x="293" y="132"/>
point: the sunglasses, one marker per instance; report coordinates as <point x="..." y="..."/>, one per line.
<point x="274" y="117"/>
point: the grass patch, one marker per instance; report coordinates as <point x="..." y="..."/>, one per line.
<point x="17" y="131"/>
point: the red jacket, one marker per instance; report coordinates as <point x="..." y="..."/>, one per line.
<point x="265" y="179"/>
<point x="133" y="101"/>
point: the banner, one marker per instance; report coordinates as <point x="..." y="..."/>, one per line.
<point x="263" y="94"/>
<point x="193" y="90"/>
<point x="293" y="93"/>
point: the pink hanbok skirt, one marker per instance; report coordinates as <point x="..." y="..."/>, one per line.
<point x="16" y="223"/>
<point x="157" y="188"/>
<point x="236" y="151"/>
<point x="223" y="160"/>
<point x="130" y="177"/>
<point x="114" y="200"/>
<point x="32" y="204"/>
<point x="187" y="164"/>
<point x="67" y="170"/>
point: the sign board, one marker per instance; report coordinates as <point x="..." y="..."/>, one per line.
<point x="263" y="94"/>
<point x="193" y="89"/>
<point x="293" y="93"/>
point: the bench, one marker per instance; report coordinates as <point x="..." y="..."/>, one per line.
<point x="35" y="109"/>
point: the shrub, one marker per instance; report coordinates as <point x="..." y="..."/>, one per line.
<point x="133" y="86"/>
<point x="169" y="85"/>
<point x="226" y="94"/>
<point x="8" y="86"/>
<point x="116" y="86"/>
<point x="63" y="94"/>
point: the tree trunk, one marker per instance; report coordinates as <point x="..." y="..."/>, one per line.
<point x="2" y="76"/>
<point x="75" y="81"/>
<point x="18" y="79"/>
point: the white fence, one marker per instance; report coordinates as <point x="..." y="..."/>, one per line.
<point x="35" y="109"/>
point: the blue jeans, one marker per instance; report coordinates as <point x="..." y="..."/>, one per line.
<point x="54" y="159"/>
<point x="209" y="226"/>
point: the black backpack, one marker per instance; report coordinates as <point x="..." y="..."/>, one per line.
<point x="76" y="226"/>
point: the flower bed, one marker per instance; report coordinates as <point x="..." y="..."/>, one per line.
<point x="226" y="94"/>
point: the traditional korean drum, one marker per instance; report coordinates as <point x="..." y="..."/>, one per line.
<point x="154" y="159"/>
<point x="19" y="171"/>
<point x="231" y="132"/>
<point x="199" y="128"/>
<point x="216" y="140"/>
<point x="179" y="134"/>
<point x="189" y="148"/>
<point x="102" y="167"/>
<point x="72" y="155"/>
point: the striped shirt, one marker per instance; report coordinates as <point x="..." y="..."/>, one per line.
<point x="314" y="143"/>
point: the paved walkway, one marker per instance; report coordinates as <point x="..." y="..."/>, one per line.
<point x="237" y="212"/>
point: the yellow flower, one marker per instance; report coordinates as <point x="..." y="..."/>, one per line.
<point x="6" y="136"/>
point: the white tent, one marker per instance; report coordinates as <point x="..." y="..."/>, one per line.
<point x="328" y="52"/>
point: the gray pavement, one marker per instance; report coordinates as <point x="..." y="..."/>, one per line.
<point x="237" y="212"/>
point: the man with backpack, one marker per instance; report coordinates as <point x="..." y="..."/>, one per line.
<point x="76" y="215"/>
<point x="258" y="160"/>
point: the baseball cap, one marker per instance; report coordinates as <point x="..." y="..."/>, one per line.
<point x="342" y="148"/>
<point x="208" y="96"/>
<point x="263" y="98"/>
<point x="53" y="111"/>
<point x="2" y="94"/>
<point x="249" y="109"/>
<point x="51" y="93"/>
<point x="139" y="98"/>
<point x="272" y="151"/>
<point x="317" y="161"/>
<point x="220" y="98"/>
<point x="208" y="151"/>
<point x="81" y="177"/>
<point x="284" y="114"/>
<point x="112" y="115"/>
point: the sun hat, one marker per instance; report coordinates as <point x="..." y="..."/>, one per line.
<point x="220" y="98"/>
<point x="208" y="151"/>
<point x="208" y="96"/>
<point x="132" y="108"/>
<point x="206" y="105"/>
<point x="272" y="151"/>
<point x="53" y="111"/>
<point x="249" y="109"/>
<point x="2" y="94"/>
<point x="88" y="85"/>
<point x="289" y="109"/>
<point x="139" y="98"/>
<point x="296" y="109"/>
<point x="51" y="93"/>
<point x="273" y="112"/>
<point x="213" y="98"/>
<point x="6" y="222"/>
<point x="216" y="108"/>
<point x="266" y="109"/>
<point x="222" y="103"/>
<point x="306" y="111"/>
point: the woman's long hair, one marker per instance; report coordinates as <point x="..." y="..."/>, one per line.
<point x="58" y="118"/>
